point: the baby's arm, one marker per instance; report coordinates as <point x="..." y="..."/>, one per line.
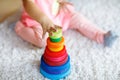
<point x="33" y="10"/>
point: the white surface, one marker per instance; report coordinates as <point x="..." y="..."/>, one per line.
<point x="19" y="60"/>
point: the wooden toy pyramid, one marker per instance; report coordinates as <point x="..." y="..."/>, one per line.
<point x="55" y="62"/>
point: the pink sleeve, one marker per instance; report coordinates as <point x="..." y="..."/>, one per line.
<point x="27" y="20"/>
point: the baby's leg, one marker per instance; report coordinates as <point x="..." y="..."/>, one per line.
<point x="31" y="34"/>
<point x="90" y="30"/>
<point x="80" y="23"/>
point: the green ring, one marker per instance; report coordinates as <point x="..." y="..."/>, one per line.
<point x="56" y="35"/>
<point x="56" y="40"/>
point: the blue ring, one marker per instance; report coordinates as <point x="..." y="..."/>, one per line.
<point x="55" y="68"/>
<point x="56" y="71"/>
<point x="54" y="77"/>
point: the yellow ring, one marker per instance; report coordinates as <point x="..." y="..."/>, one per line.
<point x="56" y="49"/>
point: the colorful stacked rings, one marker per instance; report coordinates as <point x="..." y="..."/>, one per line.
<point x="55" y="62"/>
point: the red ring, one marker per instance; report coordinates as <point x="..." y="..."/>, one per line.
<point x="54" y="54"/>
<point x="51" y="63"/>
<point x="57" y="59"/>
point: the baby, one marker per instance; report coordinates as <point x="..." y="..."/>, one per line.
<point x="41" y="16"/>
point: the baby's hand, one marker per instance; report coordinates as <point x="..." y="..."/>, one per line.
<point x="46" y="24"/>
<point x="64" y="6"/>
<point x="55" y="29"/>
<point x="33" y="10"/>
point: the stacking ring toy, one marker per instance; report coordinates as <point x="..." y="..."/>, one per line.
<point x="54" y="54"/>
<point x="53" y="76"/>
<point x="56" y="34"/>
<point x="47" y="67"/>
<point x="55" y="62"/>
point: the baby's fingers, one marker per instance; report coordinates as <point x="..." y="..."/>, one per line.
<point x="52" y="29"/>
<point x="58" y="27"/>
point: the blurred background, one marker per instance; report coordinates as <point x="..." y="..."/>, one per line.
<point x="19" y="60"/>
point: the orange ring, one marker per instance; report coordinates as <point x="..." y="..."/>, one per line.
<point x="53" y="44"/>
<point x="56" y="49"/>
